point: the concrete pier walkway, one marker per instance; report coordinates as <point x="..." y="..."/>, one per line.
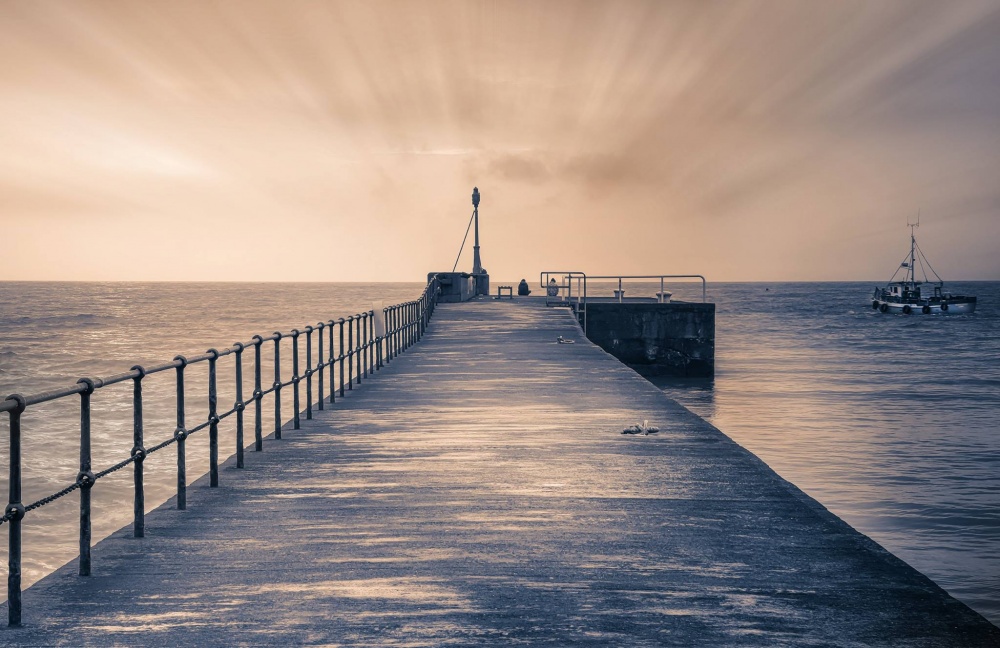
<point x="478" y="491"/>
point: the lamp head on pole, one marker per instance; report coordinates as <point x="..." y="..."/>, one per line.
<point x="475" y="196"/>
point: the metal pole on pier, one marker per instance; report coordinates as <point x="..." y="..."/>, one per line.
<point x="477" y="265"/>
<point x="482" y="279"/>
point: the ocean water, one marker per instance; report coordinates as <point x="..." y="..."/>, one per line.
<point x="889" y="421"/>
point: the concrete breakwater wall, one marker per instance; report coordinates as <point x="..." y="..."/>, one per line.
<point x="673" y="339"/>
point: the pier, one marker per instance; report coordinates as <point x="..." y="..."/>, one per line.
<point x="478" y="489"/>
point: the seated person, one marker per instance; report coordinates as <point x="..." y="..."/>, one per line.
<point x="522" y="289"/>
<point x="552" y="290"/>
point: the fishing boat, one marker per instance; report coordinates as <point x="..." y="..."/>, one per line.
<point x="904" y="296"/>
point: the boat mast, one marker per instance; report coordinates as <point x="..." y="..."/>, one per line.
<point x="913" y="245"/>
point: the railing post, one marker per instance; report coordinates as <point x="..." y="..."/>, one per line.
<point x="239" y="405"/>
<point x="363" y="334"/>
<point x="371" y="340"/>
<point x="420" y="326"/>
<point x="388" y="334"/>
<point x="14" y="513"/>
<point x="309" y="373"/>
<point x="350" y="352"/>
<point x="295" y="379"/>
<point x="319" y="365"/>
<point x="383" y="347"/>
<point x="213" y="421"/>
<point x="411" y="320"/>
<point x="359" y="348"/>
<point x="180" y="433"/>
<point x="331" y="362"/>
<point x="258" y="394"/>
<point x="389" y="319"/>
<point x="85" y="478"/>
<point x="396" y="339"/>
<point x="139" y="452"/>
<point x="277" y="385"/>
<point x="382" y="344"/>
<point x="341" y="358"/>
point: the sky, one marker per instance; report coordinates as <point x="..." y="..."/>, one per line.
<point x="309" y="140"/>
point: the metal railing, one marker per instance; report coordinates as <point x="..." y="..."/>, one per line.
<point x="566" y="280"/>
<point x="660" y="278"/>
<point x="371" y="342"/>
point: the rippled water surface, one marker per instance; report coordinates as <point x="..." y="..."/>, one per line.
<point x="890" y="421"/>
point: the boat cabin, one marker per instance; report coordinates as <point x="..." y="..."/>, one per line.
<point x="904" y="292"/>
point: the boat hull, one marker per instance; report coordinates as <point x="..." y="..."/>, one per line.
<point x="963" y="307"/>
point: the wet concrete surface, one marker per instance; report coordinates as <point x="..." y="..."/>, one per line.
<point x="478" y="491"/>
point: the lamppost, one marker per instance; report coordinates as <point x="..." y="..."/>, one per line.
<point x="477" y="265"/>
<point x="482" y="278"/>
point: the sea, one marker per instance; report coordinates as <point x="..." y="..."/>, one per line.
<point x="890" y="421"/>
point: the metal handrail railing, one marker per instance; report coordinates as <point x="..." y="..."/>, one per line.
<point x="377" y="342"/>
<point x="565" y="279"/>
<point x="704" y="292"/>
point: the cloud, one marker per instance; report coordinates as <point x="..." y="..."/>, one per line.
<point x="364" y="122"/>
<point x="519" y="167"/>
